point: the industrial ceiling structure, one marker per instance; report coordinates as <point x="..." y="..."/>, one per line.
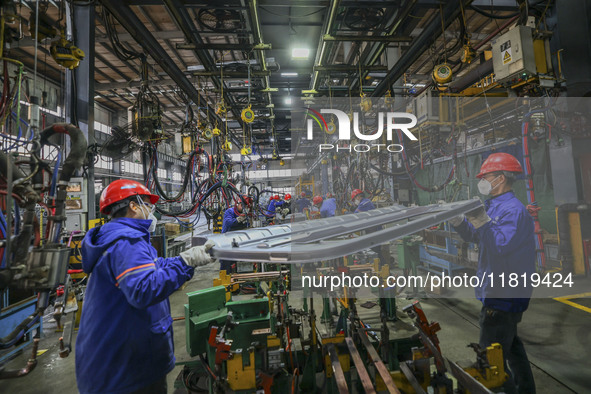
<point x="240" y="53"/>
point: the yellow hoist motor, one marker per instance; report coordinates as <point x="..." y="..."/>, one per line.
<point x="442" y="74"/>
<point x="247" y="115"/>
<point x="65" y="53"/>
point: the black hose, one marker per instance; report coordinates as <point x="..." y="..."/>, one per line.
<point x="159" y="188"/>
<point x="78" y="146"/>
<point x="489" y="15"/>
<point x="74" y="161"/>
<point x="20" y="330"/>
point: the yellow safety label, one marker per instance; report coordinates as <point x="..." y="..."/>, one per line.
<point x="507" y="56"/>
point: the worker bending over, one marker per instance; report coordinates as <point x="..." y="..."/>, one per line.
<point x="302" y="203"/>
<point x="125" y="340"/>
<point x="504" y="233"/>
<point x="362" y="203"/>
<point x="328" y="207"/>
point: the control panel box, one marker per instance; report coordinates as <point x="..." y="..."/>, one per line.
<point x="513" y="55"/>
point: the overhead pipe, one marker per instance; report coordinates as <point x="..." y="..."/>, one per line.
<point x="334" y="5"/>
<point x="421" y="44"/>
<point x="258" y="40"/>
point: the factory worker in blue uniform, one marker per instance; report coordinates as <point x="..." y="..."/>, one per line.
<point x="328" y="207"/>
<point x="504" y="232"/>
<point x="302" y="203"/>
<point x="363" y="203"/>
<point x="125" y="339"/>
<point x="234" y="219"/>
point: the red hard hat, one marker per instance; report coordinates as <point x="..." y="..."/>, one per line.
<point x="500" y="162"/>
<point x="287" y="197"/>
<point x="317" y="200"/>
<point x="276" y="197"/>
<point x="303" y="194"/>
<point x="246" y="198"/>
<point x="355" y="193"/>
<point x="120" y="190"/>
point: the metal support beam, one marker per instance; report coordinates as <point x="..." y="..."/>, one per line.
<point x="84" y="75"/>
<point x="349" y="68"/>
<point x="255" y="26"/>
<point x="224" y="47"/>
<point x="379" y="364"/>
<point x="360" y="367"/>
<point x="328" y="37"/>
<point x="337" y="369"/>
<point x="421" y="44"/>
<point x="101" y="87"/>
<point x="231" y="74"/>
<point x="321" y="49"/>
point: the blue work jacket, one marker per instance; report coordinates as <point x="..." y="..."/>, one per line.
<point x="365" y="205"/>
<point x="125" y="340"/>
<point x="230" y="223"/>
<point x="328" y="208"/>
<point x="302" y="203"/>
<point x="506" y="245"/>
<point x="271" y="207"/>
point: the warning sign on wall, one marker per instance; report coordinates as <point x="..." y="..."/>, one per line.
<point x="506" y="51"/>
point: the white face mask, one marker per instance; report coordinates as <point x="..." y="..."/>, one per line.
<point x="154" y="220"/>
<point x="485" y="187"/>
<point x="144" y="207"/>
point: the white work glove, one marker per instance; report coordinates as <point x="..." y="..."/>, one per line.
<point x="198" y="255"/>
<point x="241" y="219"/>
<point x="457" y="220"/>
<point x="478" y="217"/>
<point x="285" y="211"/>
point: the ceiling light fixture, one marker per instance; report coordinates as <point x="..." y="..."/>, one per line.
<point x="288" y="100"/>
<point x="300" y="53"/>
<point x="289" y="74"/>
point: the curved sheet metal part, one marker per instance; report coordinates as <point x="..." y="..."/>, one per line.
<point x="323" y="239"/>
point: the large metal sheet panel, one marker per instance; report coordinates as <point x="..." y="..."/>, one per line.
<point x="318" y="240"/>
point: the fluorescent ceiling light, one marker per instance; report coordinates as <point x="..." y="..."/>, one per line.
<point x="300" y="53"/>
<point x="289" y="74"/>
<point x="288" y="100"/>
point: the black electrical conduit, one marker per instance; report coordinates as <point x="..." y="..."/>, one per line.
<point x="161" y="192"/>
<point x="489" y="15"/>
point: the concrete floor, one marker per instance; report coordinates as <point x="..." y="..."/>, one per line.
<point x="556" y="336"/>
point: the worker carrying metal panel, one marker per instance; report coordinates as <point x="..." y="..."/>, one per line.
<point x="125" y="341"/>
<point x="504" y="231"/>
